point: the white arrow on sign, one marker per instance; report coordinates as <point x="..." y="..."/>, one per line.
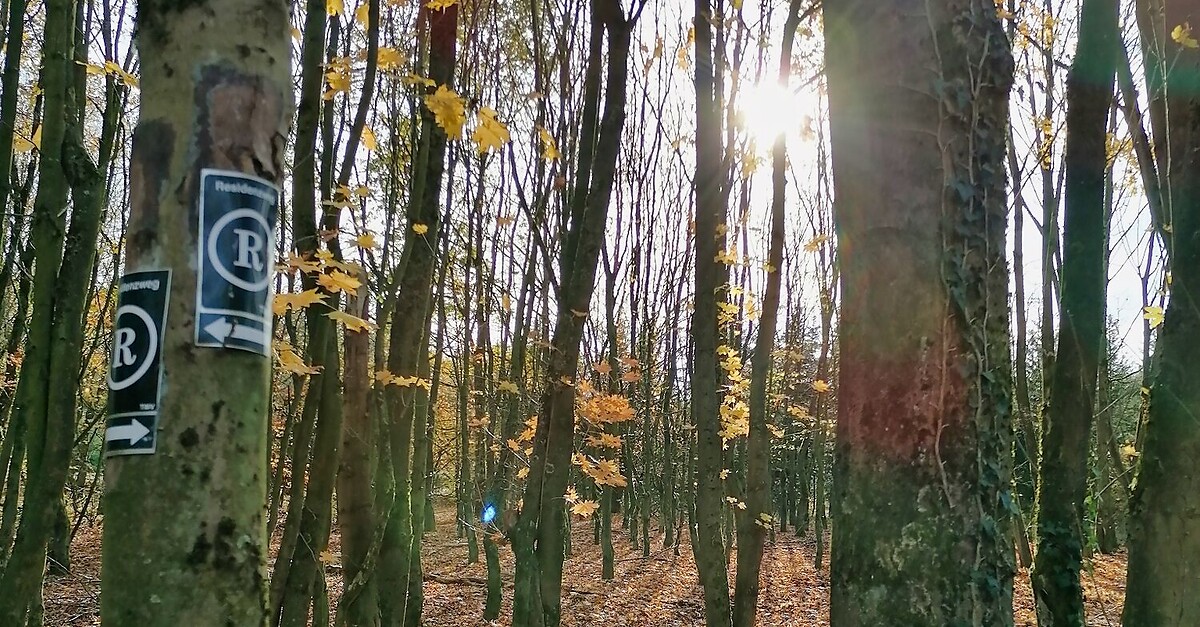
<point x="223" y="330"/>
<point x="132" y="432"/>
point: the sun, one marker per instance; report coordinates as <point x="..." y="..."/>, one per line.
<point x="769" y="109"/>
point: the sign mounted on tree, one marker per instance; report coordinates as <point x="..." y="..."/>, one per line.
<point x="135" y="372"/>
<point x="236" y="245"/>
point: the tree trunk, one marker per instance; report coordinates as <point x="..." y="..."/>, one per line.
<point x="756" y="519"/>
<point x="538" y="537"/>
<point x="919" y="90"/>
<point x="185" y="533"/>
<point x="1164" y="537"/>
<point x="709" y="546"/>
<point x="1066" y="437"/>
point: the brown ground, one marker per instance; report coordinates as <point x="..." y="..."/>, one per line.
<point x="657" y="591"/>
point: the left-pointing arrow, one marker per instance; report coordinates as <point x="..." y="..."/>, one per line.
<point x="132" y="432"/>
<point x="223" y="330"/>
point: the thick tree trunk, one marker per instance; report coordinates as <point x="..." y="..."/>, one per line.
<point x="919" y="90"/>
<point x="1164" y="535"/>
<point x="185" y="533"/>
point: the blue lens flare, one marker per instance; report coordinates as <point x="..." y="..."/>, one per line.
<point x="489" y="514"/>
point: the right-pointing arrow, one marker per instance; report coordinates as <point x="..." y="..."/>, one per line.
<point x="223" y="330"/>
<point x="132" y="432"/>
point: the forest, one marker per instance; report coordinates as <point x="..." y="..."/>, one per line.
<point x="550" y="313"/>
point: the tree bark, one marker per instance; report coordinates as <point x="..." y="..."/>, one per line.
<point x="185" y="533"/>
<point x="1066" y="437"/>
<point x="1164" y="533"/>
<point x="711" y="209"/>
<point x="919" y="90"/>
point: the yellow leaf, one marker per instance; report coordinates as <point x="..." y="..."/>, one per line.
<point x="354" y="323"/>
<point x="416" y="79"/>
<point x="506" y="302"/>
<point x="284" y="302"/>
<point x="490" y="134"/>
<point x="302" y="264"/>
<point x="449" y="110"/>
<point x="366" y="240"/>
<point x="507" y="386"/>
<point x="420" y="229"/>
<point x="289" y="361"/>
<point x="20" y="144"/>
<point x="338" y="281"/>
<point x="549" y="148"/>
<point x="571" y="496"/>
<point x="389" y="59"/>
<point x="604" y="440"/>
<point x="362" y="13"/>
<point x="579" y="314"/>
<point x="522" y="473"/>
<point x="1182" y="35"/>
<point x="585" y="509"/>
<point x="565" y="380"/>
<point x="724" y="473"/>
<point x="334" y="7"/>
<point x="631" y="376"/>
<point x="440" y="5"/>
<point x="820" y="386"/>
<point x="37" y="137"/>
<point x="368" y="139"/>
<point x="602" y="367"/>
<point x="1154" y="315"/>
<point x="326" y="556"/>
<point x="814" y="244"/>
<point x="295" y="33"/>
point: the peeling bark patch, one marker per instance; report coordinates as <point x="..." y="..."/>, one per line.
<point x="238" y="121"/>
<point x="153" y="143"/>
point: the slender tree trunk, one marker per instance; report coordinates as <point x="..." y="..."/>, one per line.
<point x="919" y="90"/>
<point x="756" y="519"/>
<point x="409" y="343"/>
<point x="709" y="546"/>
<point x="538" y="537"/>
<point x="1066" y="438"/>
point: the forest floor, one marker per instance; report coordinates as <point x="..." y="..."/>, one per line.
<point x="656" y="591"/>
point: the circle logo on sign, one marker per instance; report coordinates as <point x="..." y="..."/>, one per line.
<point x="143" y="361"/>
<point x="215" y="235"/>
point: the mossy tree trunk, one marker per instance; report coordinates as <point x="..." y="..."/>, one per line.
<point x="185" y="531"/>
<point x="1164" y="533"/>
<point x="1066" y="437"/>
<point x="918" y="100"/>
<point x="409" y="337"/>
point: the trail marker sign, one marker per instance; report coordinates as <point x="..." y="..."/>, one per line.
<point x="235" y="261"/>
<point x="135" y="370"/>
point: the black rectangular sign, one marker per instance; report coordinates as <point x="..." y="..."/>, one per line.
<point x="235" y="261"/>
<point x="135" y="371"/>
